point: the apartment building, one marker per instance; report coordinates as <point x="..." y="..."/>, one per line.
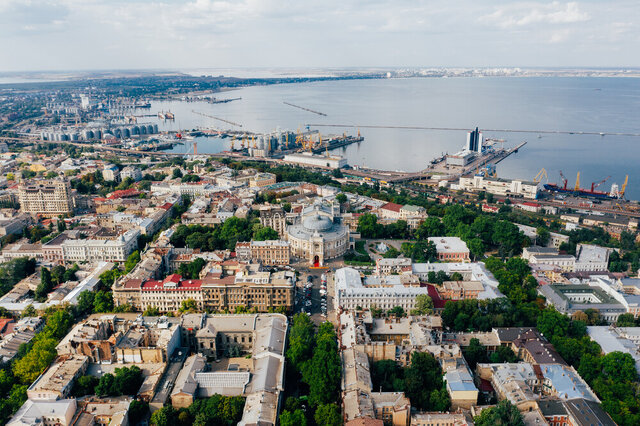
<point x="101" y="248"/>
<point x="47" y="198"/>
<point x="502" y="187"/>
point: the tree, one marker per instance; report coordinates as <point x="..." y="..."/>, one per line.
<point x="422" y="378"/>
<point x="301" y="340"/>
<point x="131" y="261"/>
<point x="45" y="286"/>
<point x="619" y="366"/>
<point x="85" y="301"/>
<point x="85" y="385"/>
<point x="295" y="418"/>
<point x="625" y="320"/>
<point x="265" y="233"/>
<point x="542" y="236"/>
<point x="323" y="371"/>
<point x="341" y="198"/>
<point x="58" y="324"/>
<point x="553" y="323"/>
<point x="188" y="306"/>
<point x="387" y="375"/>
<point x="502" y="414"/>
<point x="424" y="305"/>
<point x="177" y="173"/>
<point x="475" y="353"/>
<point x="396" y="311"/>
<point x="166" y="416"/>
<point x="41" y="355"/>
<point x="328" y="414"/>
<point x="503" y="354"/>
<point x="151" y="311"/>
<point x="138" y="411"/>
<point x="431" y="227"/>
<point x="103" y="302"/>
<point x="368" y="226"/>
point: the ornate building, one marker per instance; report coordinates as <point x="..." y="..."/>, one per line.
<point x="274" y="217"/>
<point x="318" y="235"/>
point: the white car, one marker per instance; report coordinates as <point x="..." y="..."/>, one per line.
<point x="323" y="292"/>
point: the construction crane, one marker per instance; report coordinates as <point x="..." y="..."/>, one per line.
<point x="577" y="187"/>
<point x="541" y="174"/>
<point x="564" y="180"/>
<point x="233" y="141"/>
<point x="595" y="185"/>
<point x="253" y="141"/>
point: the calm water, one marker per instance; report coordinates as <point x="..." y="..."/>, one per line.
<point x="571" y="104"/>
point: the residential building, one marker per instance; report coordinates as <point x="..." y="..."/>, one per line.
<point x="101" y="247"/>
<point x="262" y="179"/>
<point x="46" y="198"/>
<point x="47" y="413"/>
<point x="111" y="172"/>
<point x="309" y="159"/>
<point x="451" y="249"/>
<point x="590" y="257"/>
<point x="131" y="172"/>
<point x="273" y="216"/>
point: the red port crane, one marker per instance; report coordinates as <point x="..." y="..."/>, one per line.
<point x="595" y="185"/>
<point x="564" y="180"/>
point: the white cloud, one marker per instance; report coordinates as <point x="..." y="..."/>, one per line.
<point x="527" y="14"/>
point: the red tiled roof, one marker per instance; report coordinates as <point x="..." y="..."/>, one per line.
<point x="438" y="303"/>
<point x="133" y="283"/>
<point x="166" y="206"/>
<point x="122" y="193"/>
<point x="530" y="204"/>
<point x="4" y="322"/>
<point x="392" y="206"/>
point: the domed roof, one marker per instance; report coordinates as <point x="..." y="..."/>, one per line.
<point x="317" y="223"/>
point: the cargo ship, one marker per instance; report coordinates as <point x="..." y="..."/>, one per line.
<point x="578" y="192"/>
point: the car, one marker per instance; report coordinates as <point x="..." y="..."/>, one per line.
<point x="308" y="303"/>
<point x="323" y="292"/>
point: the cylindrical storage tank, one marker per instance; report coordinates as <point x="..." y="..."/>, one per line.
<point x="143" y="130"/>
<point x="150" y="129"/>
<point x="135" y="130"/>
<point x="74" y="136"/>
<point x="125" y="132"/>
<point x="117" y="133"/>
<point x="155" y="128"/>
<point x="64" y="137"/>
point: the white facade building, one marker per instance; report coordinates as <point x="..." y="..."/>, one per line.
<point x="502" y="187"/>
<point x="309" y="159"/>
<point x="101" y="250"/>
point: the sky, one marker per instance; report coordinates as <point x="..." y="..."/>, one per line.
<point x="182" y="34"/>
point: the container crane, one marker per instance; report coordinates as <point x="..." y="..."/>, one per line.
<point x="577" y="187"/>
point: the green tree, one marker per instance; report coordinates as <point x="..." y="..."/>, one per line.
<point x="85" y="301"/>
<point x="341" y="198"/>
<point x="619" y="366"/>
<point x="166" y="416"/>
<point x="542" y="236"/>
<point x="424" y="305"/>
<point x="431" y="227"/>
<point x="422" y="378"/>
<point x="177" y="173"/>
<point x="301" y="341"/>
<point x="85" y="385"/>
<point x="151" y="311"/>
<point x="131" y="261"/>
<point x="626" y="320"/>
<point x="45" y="286"/>
<point x="396" y="311"/>
<point x="295" y="418"/>
<point x="475" y="353"/>
<point x="323" y="371"/>
<point x="265" y="233"/>
<point x="502" y="414"/>
<point x="188" y="306"/>
<point x="138" y="411"/>
<point x="368" y="226"/>
<point x="329" y="415"/>
<point x="103" y="301"/>
<point x="553" y="323"/>
<point x="41" y="355"/>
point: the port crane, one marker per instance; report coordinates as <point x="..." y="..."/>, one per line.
<point x="595" y="185"/>
<point x="564" y="180"/>
<point x="542" y="174"/>
<point x="577" y="187"/>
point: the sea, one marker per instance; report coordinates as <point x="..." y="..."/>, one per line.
<point x="534" y="104"/>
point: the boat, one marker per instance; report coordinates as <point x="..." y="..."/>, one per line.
<point x="578" y="192"/>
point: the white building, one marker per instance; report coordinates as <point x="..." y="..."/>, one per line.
<point x="111" y="173"/>
<point x="191" y="189"/>
<point x="101" y="249"/>
<point x="592" y="258"/>
<point x="502" y="187"/>
<point x="309" y="159"/>
<point x="451" y="249"/>
<point x="132" y="173"/>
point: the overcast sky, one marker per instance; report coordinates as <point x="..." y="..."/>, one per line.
<point x="148" y="34"/>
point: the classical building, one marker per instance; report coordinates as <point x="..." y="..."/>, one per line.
<point x="101" y="248"/>
<point x="274" y="217"/>
<point x="46" y="198"/>
<point x="451" y="249"/>
<point x="215" y="292"/>
<point x="270" y="252"/>
<point x="318" y="236"/>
